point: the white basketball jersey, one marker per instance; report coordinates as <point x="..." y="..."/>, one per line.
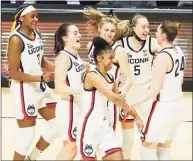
<point x="172" y="87"/>
<point x="95" y="102"/>
<point x="75" y="72"/>
<point x="140" y="61"/>
<point x="31" y="55"/>
<point x="115" y="67"/>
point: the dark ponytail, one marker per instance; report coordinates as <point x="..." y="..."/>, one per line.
<point x="59" y="44"/>
<point x="100" y="46"/>
<point x="18" y="12"/>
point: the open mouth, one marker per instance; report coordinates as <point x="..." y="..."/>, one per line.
<point x="77" y="40"/>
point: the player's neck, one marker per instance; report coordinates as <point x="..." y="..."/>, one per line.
<point x="102" y="70"/>
<point x="111" y="43"/>
<point x="134" y="41"/>
<point x="71" y="50"/>
<point x="27" y="32"/>
<point x="166" y="45"/>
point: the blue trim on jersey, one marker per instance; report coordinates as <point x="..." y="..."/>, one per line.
<point x="104" y="77"/>
<point x="112" y="44"/>
<point x="28" y="37"/>
<point x="122" y="41"/>
<point x="166" y="48"/>
<point x="172" y="61"/>
<point x="132" y="48"/>
<point x="90" y="48"/>
<point x="117" y="47"/>
<point x="70" y="54"/>
<point x="70" y="64"/>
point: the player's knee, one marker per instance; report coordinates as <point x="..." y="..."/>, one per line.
<point x="128" y="125"/>
<point x="24" y="139"/>
<point x="128" y="142"/>
<point x="128" y="138"/>
<point x="72" y="146"/>
<point x="51" y="131"/>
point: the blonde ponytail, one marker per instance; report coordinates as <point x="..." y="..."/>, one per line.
<point x="93" y="16"/>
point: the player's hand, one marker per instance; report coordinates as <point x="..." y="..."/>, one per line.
<point x="48" y="77"/>
<point x="122" y="93"/>
<point x="126" y="113"/>
<point x="139" y="123"/>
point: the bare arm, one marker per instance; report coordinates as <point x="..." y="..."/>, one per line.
<point x="14" y="54"/>
<point x="116" y="88"/>
<point x="122" y="60"/>
<point x="62" y="65"/>
<point x="97" y="82"/>
<point x="159" y="72"/>
<point x="48" y="65"/>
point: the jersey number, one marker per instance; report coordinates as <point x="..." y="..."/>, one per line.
<point x="181" y="66"/>
<point x="136" y="69"/>
<point x="38" y="56"/>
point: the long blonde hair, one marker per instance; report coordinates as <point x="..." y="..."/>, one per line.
<point x="124" y="27"/>
<point x="97" y="19"/>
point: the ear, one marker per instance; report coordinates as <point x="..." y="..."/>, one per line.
<point x="133" y="28"/>
<point x="21" y="18"/>
<point x="65" y="38"/>
<point x="99" y="58"/>
<point x="164" y="36"/>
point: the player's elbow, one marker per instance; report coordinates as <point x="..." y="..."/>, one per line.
<point x="13" y="74"/>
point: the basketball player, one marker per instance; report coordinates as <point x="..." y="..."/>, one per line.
<point x="99" y="87"/>
<point x="106" y="26"/>
<point x="165" y="116"/>
<point x="29" y="91"/>
<point x="140" y="50"/>
<point x="69" y="72"/>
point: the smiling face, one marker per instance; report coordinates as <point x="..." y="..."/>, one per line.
<point x="107" y="32"/>
<point x="30" y="20"/>
<point x="106" y="59"/>
<point x="142" y="28"/>
<point x="73" y="37"/>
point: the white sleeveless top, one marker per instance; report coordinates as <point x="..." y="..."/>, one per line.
<point x="140" y="61"/>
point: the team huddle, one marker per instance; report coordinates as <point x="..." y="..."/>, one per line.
<point x="129" y="77"/>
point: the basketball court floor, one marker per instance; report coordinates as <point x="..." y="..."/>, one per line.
<point x="181" y="149"/>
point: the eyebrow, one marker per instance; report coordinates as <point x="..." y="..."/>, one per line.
<point x="145" y="25"/>
<point x="34" y="14"/>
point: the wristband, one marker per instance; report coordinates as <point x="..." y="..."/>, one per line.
<point x="42" y="84"/>
<point x="42" y="78"/>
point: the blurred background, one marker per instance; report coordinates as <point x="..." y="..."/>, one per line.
<point x="53" y="13"/>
